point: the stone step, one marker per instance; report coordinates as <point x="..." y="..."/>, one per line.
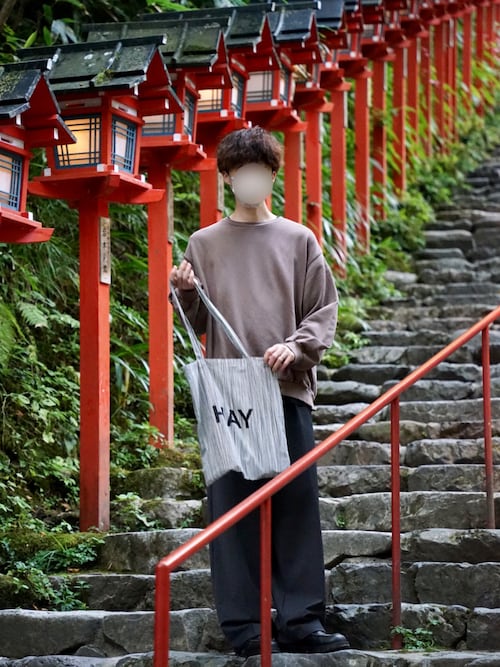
<point x="339" y="481"/>
<point x="368" y="626"/>
<point x="410" y="431"/>
<point x="414" y="355"/>
<point x="419" y="510"/>
<point x="466" y="410"/>
<point x="141" y="551"/>
<point x="414" y="315"/>
<point x="458" y="238"/>
<point x="343" y="550"/>
<point x="460" y="411"/>
<point x="464" y="584"/>
<point x="414" y="454"/>
<point x="405" y="338"/>
<point x="108" y="634"/>
<point x="448" y="451"/>
<point x="454" y="292"/>
<point x="351" y="658"/>
<point x="378" y="374"/>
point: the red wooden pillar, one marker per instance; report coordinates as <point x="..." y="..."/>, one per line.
<point x="439" y="67"/>
<point x="338" y="124"/>
<point x="362" y="157"/>
<point x="314" y="179"/>
<point x="161" y="331"/>
<point x="94" y="364"/>
<point x="479" y="53"/>
<point x="413" y="87"/>
<point x="467" y="58"/>
<point x="453" y="78"/>
<point x="379" y="137"/>
<point x="426" y="86"/>
<point x="399" y="119"/>
<point x="293" y="175"/>
<point x="448" y="25"/>
<point x="211" y="196"/>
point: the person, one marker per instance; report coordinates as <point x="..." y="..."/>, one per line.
<point x="268" y="277"/>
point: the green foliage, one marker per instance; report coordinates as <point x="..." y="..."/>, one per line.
<point x="418" y="639"/>
<point x="27" y="559"/>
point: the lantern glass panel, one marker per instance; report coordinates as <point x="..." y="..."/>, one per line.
<point x="189" y="114"/>
<point x="161" y="124"/>
<point x="285" y="85"/>
<point x="87" y="149"/>
<point x="210" y="100"/>
<point x="11" y="171"/>
<point x="237" y="94"/>
<point x="123" y="144"/>
<point x="260" y="86"/>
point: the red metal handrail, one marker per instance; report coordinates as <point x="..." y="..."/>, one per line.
<point x="262" y="498"/>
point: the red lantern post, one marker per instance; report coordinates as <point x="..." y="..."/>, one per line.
<point x="98" y="86"/>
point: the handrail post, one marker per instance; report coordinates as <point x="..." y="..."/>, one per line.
<point x="265" y="583"/>
<point x="162" y="617"/>
<point x="396" y="522"/>
<point x="488" y="447"/>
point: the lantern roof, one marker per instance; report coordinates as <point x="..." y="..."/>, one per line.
<point x="193" y="43"/>
<point x="100" y="66"/>
<point x="330" y="14"/>
<point x="243" y="26"/>
<point x="24" y="92"/>
<point x="295" y="30"/>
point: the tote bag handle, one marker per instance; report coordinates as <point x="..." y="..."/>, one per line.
<point x="216" y="314"/>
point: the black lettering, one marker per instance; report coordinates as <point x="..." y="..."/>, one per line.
<point x="246" y="416"/>
<point x="233" y="419"/>
<point x="218" y="413"/>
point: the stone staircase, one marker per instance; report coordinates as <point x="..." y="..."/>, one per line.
<point x="450" y="562"/>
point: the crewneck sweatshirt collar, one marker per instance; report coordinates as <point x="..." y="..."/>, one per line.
<point x="251" y="225"/>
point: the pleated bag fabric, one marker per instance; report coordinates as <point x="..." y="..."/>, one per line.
<point x="238" y="408"/>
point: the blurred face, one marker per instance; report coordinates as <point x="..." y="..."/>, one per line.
<point x="252" y="184"/>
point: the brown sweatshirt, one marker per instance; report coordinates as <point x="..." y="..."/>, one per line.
<point x="272" y="284"/>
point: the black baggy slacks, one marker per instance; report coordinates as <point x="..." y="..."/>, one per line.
<point x="298" y="582"/>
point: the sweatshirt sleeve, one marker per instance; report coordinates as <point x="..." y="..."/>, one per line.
<point x="316" y="330"/>
<point x="191" y="303"/>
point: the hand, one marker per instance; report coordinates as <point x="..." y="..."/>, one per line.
<point x="182" y="277"/>
<point x="278" y="357"/>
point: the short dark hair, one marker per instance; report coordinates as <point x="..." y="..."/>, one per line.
<point x="252" y="144"/>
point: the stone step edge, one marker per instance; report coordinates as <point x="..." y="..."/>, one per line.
<point x="353" y="658"/>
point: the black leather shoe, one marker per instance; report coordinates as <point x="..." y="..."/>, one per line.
<point x="317" y="642"/>
<point x="252" y="647"/>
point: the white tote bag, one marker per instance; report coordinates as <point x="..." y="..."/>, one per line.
<point x="238" y="408"/>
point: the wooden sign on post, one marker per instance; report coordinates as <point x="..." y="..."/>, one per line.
<point x="105" y="250"/>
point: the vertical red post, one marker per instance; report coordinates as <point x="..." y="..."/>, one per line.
<point x="479" y="53"/>
<point x="338" y="123"/>
<point x="265" y="582"/>
<point x="396" y="521"/>
<point x="413" y="87"/>
<point x="293" y="175"/>
<point x="161" y="331"/>
<point x="314" y="174"/>
<point x="453" y="77"/>
<point x="94" y="366"/>
<point x="362" y="158"/>
<point x="467" y="58"/>
<point x="211" y="197"/>
<point x="426" y="86"/>
<point x="488" y="446"/>
<point x="380" y="136"/>
<point x="399" y="119"/>
<point x="439" y="99"/>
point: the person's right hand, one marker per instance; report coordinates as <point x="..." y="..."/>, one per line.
<point x="182" y="277"/>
